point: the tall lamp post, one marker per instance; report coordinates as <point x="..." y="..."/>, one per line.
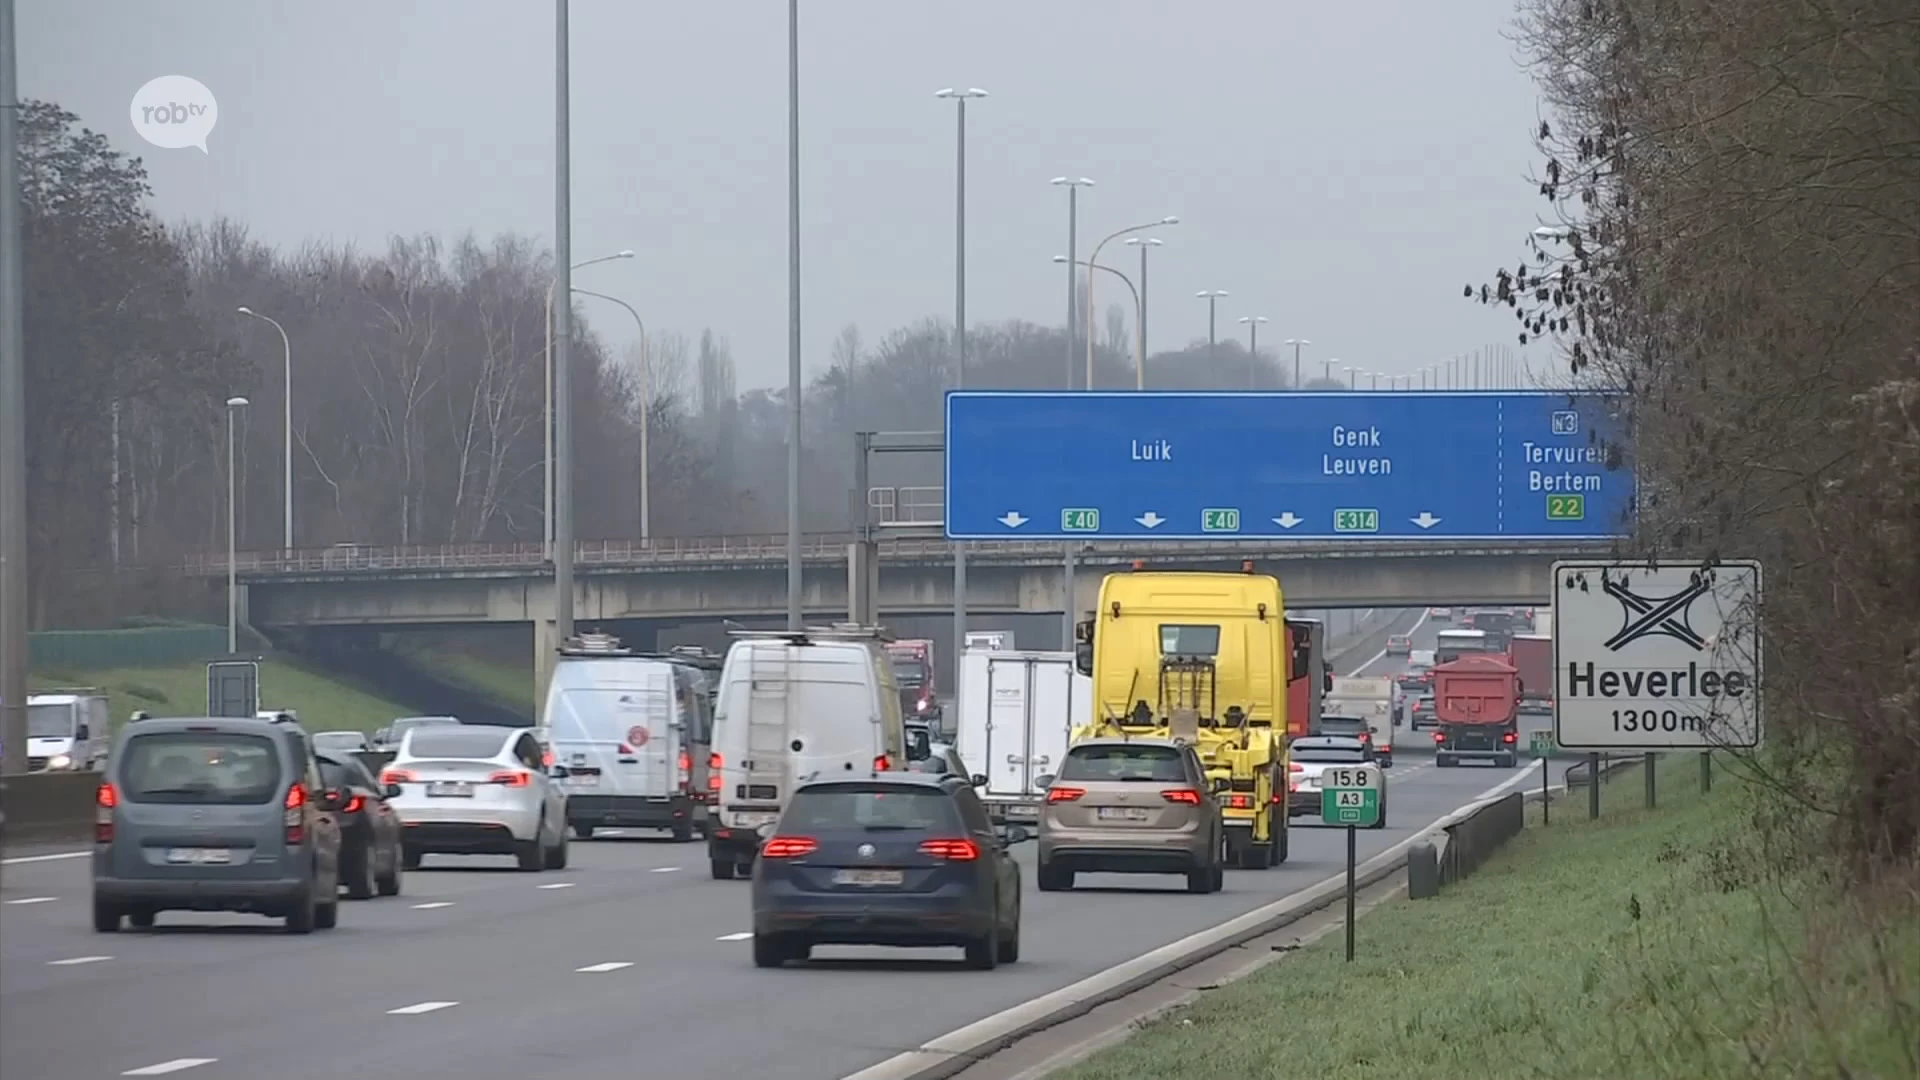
<point x="286" y="416"/>
<point x="1212" y="297"/>
<point x="1094" y="260"/>
<point x="1296" y="343"/>
<point x="794" y="387"/>
<point x="548" y="421"/>
<point x="234" y="405"/>
<point x="959" y="98"/>
<point x="13" y="424"/>
<point x="1140" y="370"/>
<point x="1253" y="347"/>
<point x="646" y="408"/>
<point x="1073" y="186"/>
<point x="1140" y="341"/>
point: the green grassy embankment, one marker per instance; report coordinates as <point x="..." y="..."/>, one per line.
<point x="1644" y="945"/>
<point x="181" y="690"/>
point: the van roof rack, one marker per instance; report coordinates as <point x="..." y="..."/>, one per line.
<point x="594" y="644"/>
<point x="839" y="631"/>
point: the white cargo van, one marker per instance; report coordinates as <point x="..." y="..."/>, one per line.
<point x="1017" y="709"/>
<point x="793" y="706"/>
<point x="1369" y="698"/>
<point x="67" y="731"/>
<point x="623" y="730"/>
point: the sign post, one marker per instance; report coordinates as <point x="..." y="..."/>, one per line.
<point x="1350" y="797"/>
<point x="1542" y="746"/>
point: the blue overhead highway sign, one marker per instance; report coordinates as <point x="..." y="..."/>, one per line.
<point x="1421" y="465"/>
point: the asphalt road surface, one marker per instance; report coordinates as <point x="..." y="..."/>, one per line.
<point x="630" y="962"/>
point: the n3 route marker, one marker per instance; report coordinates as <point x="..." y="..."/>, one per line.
<point x="1350" y="797"/>
<point x="1417" y="465"/>
<point x="1667" y="658"/>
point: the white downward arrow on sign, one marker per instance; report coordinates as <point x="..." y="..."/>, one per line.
<point x="1425" y="520"/>
<point x="1287" y="520"/>
<point x="1011" y="519"/>
<point x="1150" y="519"/>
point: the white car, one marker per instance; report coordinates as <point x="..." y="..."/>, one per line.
<point x="1440" y="613"/>
<point x="1311" y="756"/>
<point x="474" y="789"/>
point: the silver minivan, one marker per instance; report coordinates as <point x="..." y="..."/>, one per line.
<point x="212" y="814"/>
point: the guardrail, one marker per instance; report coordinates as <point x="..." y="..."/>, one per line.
<point x="43" y="807"/>
<point x="733" y="550"/>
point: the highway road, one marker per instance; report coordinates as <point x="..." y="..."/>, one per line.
<point x="630" y="962"/>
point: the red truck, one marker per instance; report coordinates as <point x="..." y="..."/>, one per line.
<point x="1307" y="677"/>
<point x="1476" y="700"/>
<point x="913" y="673"/>
<point x="1533" y="658"/>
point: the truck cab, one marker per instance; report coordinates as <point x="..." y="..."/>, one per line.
<point x="912" y="662"/>
<point x="67" y="731"/>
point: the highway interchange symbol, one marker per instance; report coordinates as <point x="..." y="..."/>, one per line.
<point x="1644" y="617"/>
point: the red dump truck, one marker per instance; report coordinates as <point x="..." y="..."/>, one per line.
<point x="1476" y="700"/>
<point x="1307" y="683"/>
<point x="1533" y="658"/>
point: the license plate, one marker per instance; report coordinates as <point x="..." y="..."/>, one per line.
<point x="1023" y="810"/>
<point x="1120" y="813"/>
<point x="199" y="856"/>
<point x="868" y="877"/>
<point x="458" y="789"/>
<point x="754" y="821"/>
<point x="583" y="780"/>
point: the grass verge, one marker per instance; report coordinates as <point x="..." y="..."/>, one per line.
<point x="1647" y="944"/>
<point x="181" y="690"/>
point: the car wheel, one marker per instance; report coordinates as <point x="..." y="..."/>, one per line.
<point x="1382" y="823"/>
<point x="1279" y="854"/>
<point x="532" y="855"/>
<point x="983" y="953"/>
<point x="1219" y="877"/>
<point x="557" y="854"/>
<point x="410" y="857"/>
<point x="743" y="870"/>
<point x="1200" y="879"/>
<point x="388" y="884"/>
<point x="1010" y="941"/>
<point x="583" y="830"/>
<point x="106" y="917"/>
<point x="300" y="919"/>
<point x="771" y="951"/>
<point x="141" y="918"/>
<point x="683" y="831"/>
<point x="1052" y="879"/>
<point x="722" y="869"/>
<point x="327" y="916"/>
<point x="356" y="871"/>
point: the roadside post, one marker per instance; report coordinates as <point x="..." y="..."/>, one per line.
<point x="1650" y="766"/>
<point x="233" y="688"/>
<point x="1542" y="746"/>
<point x="1706" y="771"/>
<point x="1350" y="797"/>
<point x="1593" y="787"/>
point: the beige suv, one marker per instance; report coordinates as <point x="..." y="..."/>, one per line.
<point x="1131" y="806"/>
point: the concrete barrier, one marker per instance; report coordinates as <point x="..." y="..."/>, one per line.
<point x="42" y="807"/>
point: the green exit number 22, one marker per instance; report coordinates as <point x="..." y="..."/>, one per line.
<point x="1566" y="507"/>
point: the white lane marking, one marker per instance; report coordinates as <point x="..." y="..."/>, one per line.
<point x="556" y="885"/>
<point x="1376" y="657"/>
<point x="73" y="961"/>
<point x="1512" y="781"/>
<point x="663" y="870"/>
<point x="741" y="936"/>
<point x="34" y="900"/>
<point x="423" y="1007"/>
<point x="166" y="1067"/>
<point x="434" y="904"/>
<point x="611" y="965"/>
<point x="18" y="860"/>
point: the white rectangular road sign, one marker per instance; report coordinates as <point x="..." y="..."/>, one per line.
<point x="1357" y="777"/>
<point x="1656" y="659"/>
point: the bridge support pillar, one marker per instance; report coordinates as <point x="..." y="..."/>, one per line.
<point x="863" y="582"/>
<point x="546" y="652"/>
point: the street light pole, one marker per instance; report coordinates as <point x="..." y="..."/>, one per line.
<point x="234" y="405"/>
<point x="1212" y="297"/>
<point x="646" y="407"/>
<point x="1253" y="347"/>
<point x="1296" y="343"/>
<point x="1094" y="260"/>
<point x="959" y="340"/>
<point x="13" y="422"/>
<point x="286" y="449"/>
<point x="1073" y="187"/>
<point x="560" y="460"/>
<point x="1140" y="368"/>
<point x="1140" y="348"/>
<point x="547" y="415"/>
<point x="794" y="388"/>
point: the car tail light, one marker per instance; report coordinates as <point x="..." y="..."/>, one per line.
<point x="920" y="706"/>
<point x="1439" y="737"/>
<point x="546" y="756"/>
<point x="354" y="805"/>
<point x="511" y="778"/>
<point x="625" y="750"/>
<point x="105" y="798"/>
<point x="1277" y="796"/>
<point x="715" y="763"/>
<point x="685" y="765"/>
<point x="1064" y="794"/>
<point x="951" y="850"/>
<point x="1294" y="767"/>
<point x="398" y="776"/>
<point x="1187" y="796"/>
<point x="1366" y="736"/>
<point x="295" y="819"/>
<point x="1508" y="737"/>
<point x="881" y="763"/>
<point x="787" y="847"/>
<point x="1239" y="802"/>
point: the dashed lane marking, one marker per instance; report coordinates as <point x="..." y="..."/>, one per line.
<point x="556" y="885"/>
<point x="611" y="965"/>
<point x="34" y="900"/>
<point x="741" y="936"/>
<point x="21" y="860"/>
<point x="75" y="961"/>
<point x="663" y="870"/>
<point x="434" y="904"/>
<point x="166" y="1067"/>
<point x="423" y="1007"/>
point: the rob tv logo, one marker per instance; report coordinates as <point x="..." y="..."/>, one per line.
<point x="174" y="112"/>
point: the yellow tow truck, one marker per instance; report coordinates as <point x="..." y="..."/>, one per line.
<point x="1201" y="657"/>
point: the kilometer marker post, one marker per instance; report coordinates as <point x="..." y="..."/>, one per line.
<point x="1350" y="797"/>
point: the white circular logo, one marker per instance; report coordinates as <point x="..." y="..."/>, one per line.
<point x="174" y="112"/>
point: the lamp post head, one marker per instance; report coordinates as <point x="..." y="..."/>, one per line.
<point x="624" y="253"/>
<point x="1210" y="294"/>
<point x="1072" y="182"/>
<point x="1059" y="258"/>
<point x="244" y="309"/>
<point x="236" y="403"/>
<point x="1253" y="318"/>
<point x="1144" y="240"/>
<point x="1169" y="220"/>
<point x="969" y="92"/>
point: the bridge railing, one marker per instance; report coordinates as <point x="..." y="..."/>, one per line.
<point x="772" y="549"/>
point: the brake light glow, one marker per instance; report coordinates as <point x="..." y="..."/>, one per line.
<point x="1294" y="766"/>
<point x="1439" y="737"/>
<point x="951" y="850"/>
<point x="1239" y="802"/>
<point x="294" y="819"/>
<point x="1064" y="794"/>
<point x="398" y="776"/>
<point x="1277" y="797"/>
<point x="625" y="750"/>
<point x="105" y="798"/>
<point x="354" y="805"/>
<point x="787" y="847"/>
<point x="1187" y="796"/>
<point x="1508" y="737"/>
<point x="511" y="778"/>
<point x="881" y="763"/>
<point x="546" y="757"/>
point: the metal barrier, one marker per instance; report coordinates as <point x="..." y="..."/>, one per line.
<point x="41" y="807"/>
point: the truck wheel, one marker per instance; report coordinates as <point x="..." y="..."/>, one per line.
<point x="1443" y="761"/>
<point x="1280" y="844"/>
<point x="1508" y="761"/>
<point x="1051" y="879"/>
<point x="722" y="868"/>
<point x="583" y="830"/>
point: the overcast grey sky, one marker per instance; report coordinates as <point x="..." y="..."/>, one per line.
<point x="1342" y="169"/>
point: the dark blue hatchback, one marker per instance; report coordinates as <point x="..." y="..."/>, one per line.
<point x="904" y="859"/>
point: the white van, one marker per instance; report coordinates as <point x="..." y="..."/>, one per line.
<point x="1017" y="709"/>
<point x="623" y="730"/>
<point x="793" y="706"/>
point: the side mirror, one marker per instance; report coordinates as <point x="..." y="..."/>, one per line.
<point x="1015" y="834"/>
<point x="1044" y="780"/>
<point x="392" y="791"/>
<point x="1083" y="658"/>
<point x="559" y="772"/>
<point x="978" y="780"/>
<point x="81" y="733"/>
<point x="380" y="736"/>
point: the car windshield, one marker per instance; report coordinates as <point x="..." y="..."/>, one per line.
<point x="869" y="807"/>
<point x="334" y="775"/>
<point x="49" y="721"/>
<point x="345" y="740"/>
<point x="1200" y="640"/>
<point x="908" y="673"/>
<point x="402" y="726"/>
<point x="456" y="742"/>
<point x="1329" y="755"/>
<point x="1342" y="723"/>
<point x="199" y="767"/>
<point x="1124" y="761"/>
